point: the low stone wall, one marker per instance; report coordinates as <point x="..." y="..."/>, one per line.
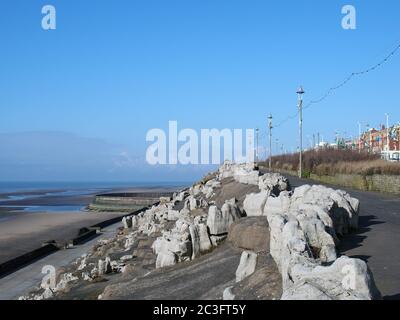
<point x="126" y="202"/>
<point x="376" y="182"/>
<point x="14" y="264"/>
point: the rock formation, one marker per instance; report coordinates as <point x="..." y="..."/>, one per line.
<point x="305" y="227"/>
<point x="247" y="265"/>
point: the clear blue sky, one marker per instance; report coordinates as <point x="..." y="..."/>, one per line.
<point x="112" y="70"/>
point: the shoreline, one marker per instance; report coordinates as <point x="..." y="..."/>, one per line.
<point x="23" y="231"/>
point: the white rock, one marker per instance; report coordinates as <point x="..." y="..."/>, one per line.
<point x="338" y="204"/>
<point x="303" y="235"/>
<point x="176" y="241"/>
<point x="277" y="205"/>
<point x="219" y="221"/>
<point x="217" y="240"/>
<point x="86" y="276"/>
<point x="48" y="293"/>
<point x="181" y="196"/>
<point x="225" y="171"/>
<point x="165" y="200"/>
<point x="104" y="266"/>
<point x="245" y="176"/>
<point x="126" y="258"/>
<point x="274" y="182"/>
<point x="173" y="215"/>
<point x="247" y="265"/>
<point x="130" y="240"/>
<point x="191" y="203"/>
<point x="228" y="295"/>
<point x="195" y="237"/>
<point x="127" y="222"/>
<point x="345" y="279"/>
<point x="66" y="278"/>
<point x="205" y="242"/>
<point x="254" y="203"/>
<point x="166" y="259"/>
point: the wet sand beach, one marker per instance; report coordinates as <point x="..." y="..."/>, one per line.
<point x="30" y="218"/>
<point x="25" y="232"/>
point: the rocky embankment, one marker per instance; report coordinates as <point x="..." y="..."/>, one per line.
<point x="235" y="235"/>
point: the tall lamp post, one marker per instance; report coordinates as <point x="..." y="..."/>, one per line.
<point x="257" y="145"/>
<point x="387" y="132"/>
<point x="277" y="146"/>
<point x="270" y="141"/>
<point x="300" y="93"/>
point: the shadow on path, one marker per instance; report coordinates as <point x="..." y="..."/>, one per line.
<point x="356" y="238"/>
<point x="393" y="297"/>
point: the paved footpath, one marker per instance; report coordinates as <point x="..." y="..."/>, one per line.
<point x="21" y="281"/>
<point x="378" y="239"/>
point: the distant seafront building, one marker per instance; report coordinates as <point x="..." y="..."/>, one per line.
<point x="373" y="140"/>
<point x="376" y="141"/>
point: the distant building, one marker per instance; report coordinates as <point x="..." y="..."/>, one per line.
<point x="375" y="140"/>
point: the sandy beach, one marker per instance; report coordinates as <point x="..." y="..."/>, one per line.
<point x="29" y="218"/>
<point x="26" y="232"/>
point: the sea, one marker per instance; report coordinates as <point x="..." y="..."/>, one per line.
<point x="55" y="196"/>
<point x="18" y="186"/>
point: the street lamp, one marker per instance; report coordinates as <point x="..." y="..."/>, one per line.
<point x="369" y="138"/>
<point x="257" y="145"/>
<point x="387" y="132"/>
<point x="270" y="140"/>
<point x="300" y="93"/>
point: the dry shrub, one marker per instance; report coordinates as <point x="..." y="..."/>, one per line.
<point x="332" y="161"/>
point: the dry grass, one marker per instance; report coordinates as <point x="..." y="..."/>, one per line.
<point x="331" y="162"/>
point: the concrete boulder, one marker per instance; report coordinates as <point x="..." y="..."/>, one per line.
<point x="321" y="243"/>
<point x="176" y="241"/>
<point x="173" y="215"/>
<point x="181" y="196"/>
<point x="166" y="259"/>
<point x="191" y="203"/>
<point x="245" y="175"/>
<point x="204" y="239"/>
<point x="219" y="221"/>
<point x="247" y="265"/>
<point x="278" y="205"/>
<point x="225" y="170"/>
<point x="254" y="203"/>
<point x="345" y="279"/>
<point x="300" y="242"/>
<point x="201" y="242"/>
<point x="341" y="208"/>
<point x="250" y="233"/>
<point x="130" y="222"/>
<point x="274" y="182"/>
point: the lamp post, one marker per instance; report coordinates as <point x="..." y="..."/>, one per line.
<point x="387" y="132"/>
<point x="270" y="141"/>
<point x="277" y="146"/>
<point x="300" y="93"/>
<point x="257" y="145"/>
<point x="359" y="137"/>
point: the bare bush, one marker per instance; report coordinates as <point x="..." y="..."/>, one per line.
<point x="333" y="161"/>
